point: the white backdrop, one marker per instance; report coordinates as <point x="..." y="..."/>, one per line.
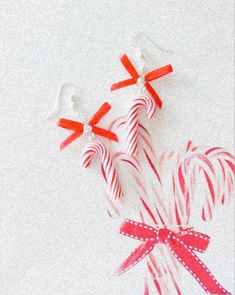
<point x="55" y="236"/>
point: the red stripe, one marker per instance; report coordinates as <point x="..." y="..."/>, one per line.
<point x="148" y="210"/>
<point x="152" y="166"/>
<point x="155" y="280"/>
<point x="210" y="186"/>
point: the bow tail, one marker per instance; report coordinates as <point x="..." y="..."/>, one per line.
<point x="136" y="256"/>
<point x="70" y="139"/>
<point x="77" y="127"/>
<point x="124" y="83"/>
<point x="105" y="133"/>
<point x="154" y="94"/>
<point x="196" y="267"/>
<point x="102" y="111"/>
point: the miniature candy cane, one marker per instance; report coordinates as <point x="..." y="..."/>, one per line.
<point x="132" y="122"/>
<point x="108" y="169"/>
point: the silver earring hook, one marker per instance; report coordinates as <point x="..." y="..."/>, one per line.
<point x="60" y="98"/>
<point x="137" y="36"/>
<point x="71" y="91"/>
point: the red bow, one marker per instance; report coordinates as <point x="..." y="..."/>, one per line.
<point x="181" y="244"/>
<point x="79" y="128"/>
<point x="153" y="75"/>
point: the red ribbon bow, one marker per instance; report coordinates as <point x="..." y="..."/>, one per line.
<point x="181" y="244"/>
<point x="153" y="75"/>
<point x="79" y="128"/>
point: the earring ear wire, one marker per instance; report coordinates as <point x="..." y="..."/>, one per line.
<point x="137" y="36"/>
<point x="58" y="103"/>
<point x="73" y="95"/>
<point x="135" y="39"/>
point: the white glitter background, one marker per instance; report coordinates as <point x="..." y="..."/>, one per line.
<point x="55" y="236"/>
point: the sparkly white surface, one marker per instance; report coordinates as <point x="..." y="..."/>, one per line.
<point x="55" y="237"/>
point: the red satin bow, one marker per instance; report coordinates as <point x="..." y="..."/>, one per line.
<point x="79" y="127"/>
<point x="181" y="244"/>
<point x="153" y="75"/>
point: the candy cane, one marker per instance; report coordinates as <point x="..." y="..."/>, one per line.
<point x="215" y="170"/>
<point x="132" y="122"/>
<point x="162" y="268"/>
<point x="212" y="170"/>
<point x="180" y="172"/>
<point x="108" y="169"/>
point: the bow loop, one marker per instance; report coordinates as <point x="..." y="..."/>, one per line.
<point x="195" y="240"/>
<point x="138" y="231"/>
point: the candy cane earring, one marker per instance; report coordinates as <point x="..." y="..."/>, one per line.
<point x="139" y="77"/>
<point x="89" y="129"/>
<point x="147" y="96"/>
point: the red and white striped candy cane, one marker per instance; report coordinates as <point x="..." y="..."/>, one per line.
<point x="132" y="122"/>
<point x="108" y="170"/>
<point x="213" y="169"/>
<point x="176" y="202"/>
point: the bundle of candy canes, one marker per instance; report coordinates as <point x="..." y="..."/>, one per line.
<point x="165" y="187"/>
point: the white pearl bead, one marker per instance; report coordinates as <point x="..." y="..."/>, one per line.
<point x="140" y="84"/>
<point x="87" y="129"/>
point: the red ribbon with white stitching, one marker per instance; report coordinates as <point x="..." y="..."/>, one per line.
<point x="181" y="244"/>
<point x="153" y="75"/>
